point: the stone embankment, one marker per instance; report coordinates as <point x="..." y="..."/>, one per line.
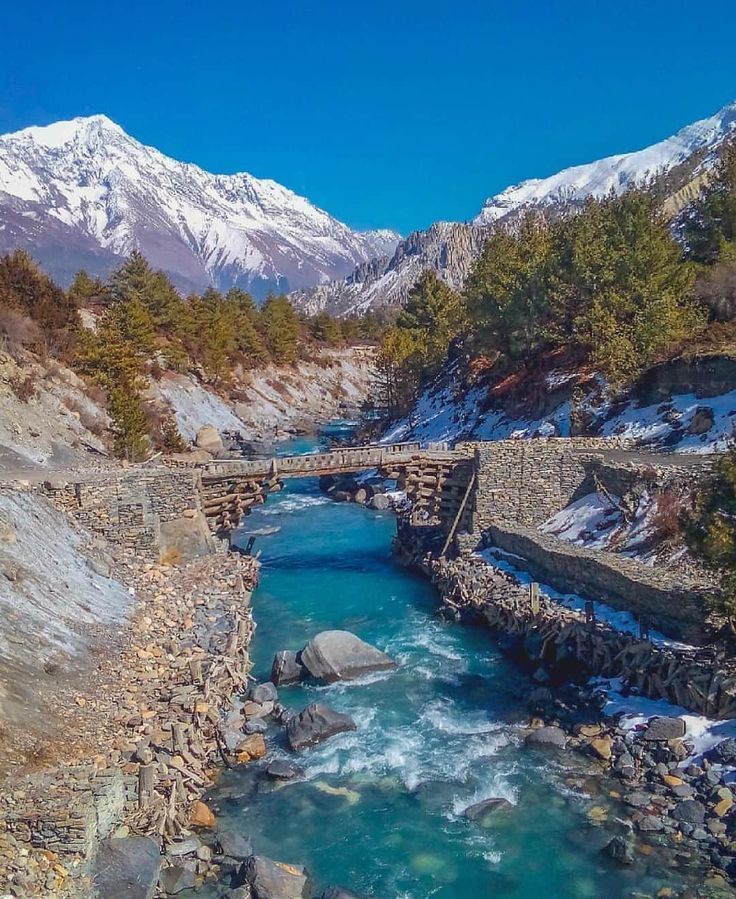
<point x="677" y="603"/>
<point x="562" y="644"/>
<point x="157" y="719"/>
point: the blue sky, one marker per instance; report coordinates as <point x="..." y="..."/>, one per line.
<point x="385" y="113"/>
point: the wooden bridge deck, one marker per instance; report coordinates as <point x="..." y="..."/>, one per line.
<point x="339" y="461"/>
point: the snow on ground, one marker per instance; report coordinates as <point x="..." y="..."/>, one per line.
<point x="635" y="710"/>
<point x="655" y="424"/>
<point x="703" y="732"/>
<point x="447" y="410"/>
<point x="624" y="622"/>
<point x="595" y="521"/>
<point x="587" y="521"/>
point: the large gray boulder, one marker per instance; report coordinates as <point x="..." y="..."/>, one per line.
<point x="175" y="879"/>
<point x="339" y="655"/>
<point x="127" y="868"/>
<point x="208" y="438"/>
<point x="287" y="669"/>
<point x="664" y="729"/>
<point x="547" y="736"/>
<point x="482" y="812"/>
<point x="318" y="722"/>
<point x="276" y="880"/>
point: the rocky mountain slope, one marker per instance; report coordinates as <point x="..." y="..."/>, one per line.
<point x="615" y="173"/>
<point x="679" y="164"/>
<point x="84" y="194"/>
<point x="684" y="405"/>
<point x="447" y="247"/>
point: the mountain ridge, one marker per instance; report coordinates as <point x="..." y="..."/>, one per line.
<point x="450" y="248"/>
<point x="84" y="193"/>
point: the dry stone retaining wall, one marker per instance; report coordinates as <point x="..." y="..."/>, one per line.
<point x="665" y="599"/>
<point x="128" y="508"/>
<point x="697" y="679"/>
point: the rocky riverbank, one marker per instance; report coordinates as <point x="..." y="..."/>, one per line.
<point x="674" y="799"/>
<point x="150" y="728"/>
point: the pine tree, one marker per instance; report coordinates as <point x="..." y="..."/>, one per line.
<point x="326" y="329"/>
<point x="281" y="328"/>
<point x="247" y="337"/>
<point x="711" y="532"/>
<point x="632" y="291"/>
<point x="129" y="423"/>
<point x="133" y="279"/>
<point x="507" y="292"/>
<point x="710" y="227"/>
<point x="170" y="437"/>
<point x="432" y="316"/>
<point x="84" y="290"/>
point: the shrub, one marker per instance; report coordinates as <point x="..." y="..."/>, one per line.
<point x="18" y="331"/>
<point x="667" y="516"/>
<point x="24" y="387"/>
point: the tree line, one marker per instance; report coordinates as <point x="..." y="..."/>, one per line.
<point x="142" y="325"/>
<point x="613" y="283"/>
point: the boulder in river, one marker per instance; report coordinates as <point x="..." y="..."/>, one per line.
<point x="339" y="655"/>
<point x="175" y="879"/>
<point x="280" y="769"/>
<point x="263" y="693"/>
<point x="547" y="736"/>
<point x="380" y="502"/>
<point x="268" y="879"/>
<point x="482" y="812"/>
<point x="664" y="729"/>
<point x="286" y="668"/>
<point x="621" y="850"/>
<point x="318" y="722"/>
<point x="234" y="844"/>
<point x="127" y="866"/>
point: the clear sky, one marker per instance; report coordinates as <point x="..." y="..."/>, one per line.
<point x="384" y="113"/>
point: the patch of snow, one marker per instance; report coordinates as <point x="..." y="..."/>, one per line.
<point x="636" y="710"/>
<point x="621" y="621"/>
<point x="586" y="521"/>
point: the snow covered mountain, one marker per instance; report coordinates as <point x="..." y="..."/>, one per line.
<point x="451" y="248"/>
<point x="84" y="194"/>
<point x="613" y="173"/>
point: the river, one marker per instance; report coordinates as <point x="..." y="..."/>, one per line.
<point x="380" y="811"/>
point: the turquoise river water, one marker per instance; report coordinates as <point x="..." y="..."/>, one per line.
<point x="380" y="811"/>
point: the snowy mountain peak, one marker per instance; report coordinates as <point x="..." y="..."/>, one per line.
<point x="83" y="193"/>
<point x="614" y="172"/>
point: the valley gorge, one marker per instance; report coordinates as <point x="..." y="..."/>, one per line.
<point x="336" y="564"/>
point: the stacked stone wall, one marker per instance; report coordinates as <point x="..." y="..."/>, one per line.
<point x="128" y="508"/>
<point x="663" y="597"/>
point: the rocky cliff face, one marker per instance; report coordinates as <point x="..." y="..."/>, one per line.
<point x="84" y="193"/>
<point x="449" y="248"/>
